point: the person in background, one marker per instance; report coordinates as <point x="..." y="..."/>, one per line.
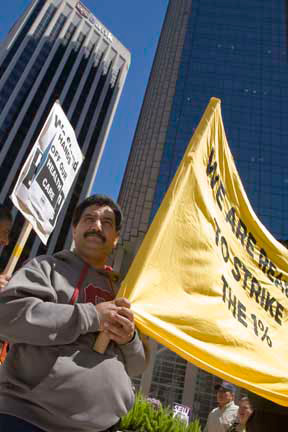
<point x="245" y="413"/>
<point x="51" y="312"/>
<point x="5" y="229"/>
<point x="222" y="418"/>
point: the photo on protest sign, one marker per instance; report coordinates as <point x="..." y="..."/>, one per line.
<point x="48" y="174"/>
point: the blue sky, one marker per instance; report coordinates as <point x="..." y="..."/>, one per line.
<point x="137" y="24"/>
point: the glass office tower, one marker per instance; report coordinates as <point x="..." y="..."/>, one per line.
<point x="57" y="50"/>
<point x="236" y="51"/>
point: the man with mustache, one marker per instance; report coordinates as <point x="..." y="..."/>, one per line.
<point x="51" y="311"/>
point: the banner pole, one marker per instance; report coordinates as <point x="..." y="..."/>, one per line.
<point x="101" y="343"/>
<point x="18" y="248"/>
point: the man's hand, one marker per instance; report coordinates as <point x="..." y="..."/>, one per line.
<point x="117" y="320"/>
<point x="4" y="279"/>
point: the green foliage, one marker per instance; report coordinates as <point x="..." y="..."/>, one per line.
<point x="144" y="417"/>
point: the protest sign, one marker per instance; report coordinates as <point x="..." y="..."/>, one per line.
<point x="209" y="281"/>
<point x="182" y="412"/>
<point x="48" y="174"/>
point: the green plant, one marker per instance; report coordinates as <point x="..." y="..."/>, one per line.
<point x="144" y="417"/>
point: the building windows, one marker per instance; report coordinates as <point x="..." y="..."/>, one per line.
<point x="30" y="79"/>
<point x="25" y="57"/>
<point x="21" y="35"/>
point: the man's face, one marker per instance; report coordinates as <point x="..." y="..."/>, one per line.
<point x="5" y="229"/>
<point x="224" y="396"/>
<point x="95" y="235"/>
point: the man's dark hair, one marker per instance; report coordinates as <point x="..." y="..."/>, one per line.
<point x="5" y="213"/>
<point x="101" y="200"/>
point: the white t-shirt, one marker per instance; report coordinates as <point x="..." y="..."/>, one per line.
<point x="220" y="419"/>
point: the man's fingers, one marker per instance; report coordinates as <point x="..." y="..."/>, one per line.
<point x="120" y="324"/>
<point x="123" y="321"/>
<point x="115" y="313"/>
<point x="127" y="313"/>
<point x="122" y="302"/>
<point x="118" y="333"/>
<point x="4" y="279"/>
<point x="120" y="316"/>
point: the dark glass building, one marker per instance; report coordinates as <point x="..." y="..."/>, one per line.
<point x="239" y="54"/>
<point x="57" y="50"/>
<point x="235" y="51"/>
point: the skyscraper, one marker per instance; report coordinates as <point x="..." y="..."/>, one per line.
<point x="236" y="51"/>
<point x="57" y="50"/>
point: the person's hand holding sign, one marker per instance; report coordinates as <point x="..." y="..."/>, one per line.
<point x="4" y="279"/>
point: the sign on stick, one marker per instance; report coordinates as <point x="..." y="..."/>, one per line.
<point x="48" y="173"/>
<point x="182" y="411"/>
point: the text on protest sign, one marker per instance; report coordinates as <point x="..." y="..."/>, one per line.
<point x="48" y="174"/>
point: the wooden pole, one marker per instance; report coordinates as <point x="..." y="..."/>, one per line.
<point x="18" y="248"/>
<point x="101" y="343"/>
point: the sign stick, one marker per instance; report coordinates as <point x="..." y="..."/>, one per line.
<point x="18" y="248"/>
<point x="101" y="343"/>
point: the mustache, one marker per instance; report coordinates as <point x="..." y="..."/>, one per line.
<point x="95" y="234"/>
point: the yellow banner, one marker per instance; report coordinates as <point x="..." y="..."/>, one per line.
<point x="209" y="281"/>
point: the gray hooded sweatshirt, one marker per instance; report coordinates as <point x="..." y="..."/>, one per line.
<point x="52" y="378"/>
